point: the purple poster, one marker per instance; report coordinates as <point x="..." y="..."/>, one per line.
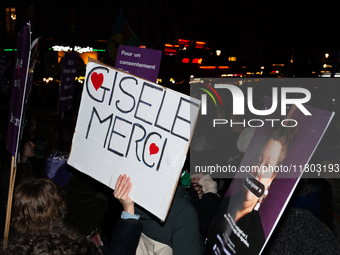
<point x="18" y="89"/>
<point x="268" y="174"/>
<point x="4" y="64"/>
<point x="141" y="62"/>
<point x="32" y="61"/>
<point x="68" y="75"/>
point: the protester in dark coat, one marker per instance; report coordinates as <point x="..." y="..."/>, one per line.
<point x="180" y="230"/>
<point x="205" y="199"/>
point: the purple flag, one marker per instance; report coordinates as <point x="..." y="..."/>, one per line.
<point x="34" y="52"/>
<point x="141" y="62"/>
<point x="68" y="75"/>
<point x="18" y="89"/>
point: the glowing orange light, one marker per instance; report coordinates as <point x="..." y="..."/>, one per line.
<point x="223" y="67"/>
<point x="185" y="60"/>
<point x="200" y="45"/>
<point x="170" y="50"/>
<point x="197" y="61"/>
<point x="208" y="67"/>
<point x="184" y="42"/>
<point x="171" y="45"/>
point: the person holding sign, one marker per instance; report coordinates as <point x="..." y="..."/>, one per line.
<point x="237" y="225"/>
<point x="39" y="209"/>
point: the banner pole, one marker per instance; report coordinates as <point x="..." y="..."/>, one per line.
<point x="9" y="201"/>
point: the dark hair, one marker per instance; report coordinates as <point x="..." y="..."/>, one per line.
<point x="286" y="136"/>
<point x="37" y="205"/>
<point x="58" y="241"/>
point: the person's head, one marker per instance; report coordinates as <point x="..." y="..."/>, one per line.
<point x="60" y="241"/>
<point x="37" y="205"/>
<point x="27" y="147"/>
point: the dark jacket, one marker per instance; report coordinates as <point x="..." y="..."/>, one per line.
<point x="181" y="228"/>
<point x="86" y="206"/>
<point x="205" y="207"/>
<point x="125" y="238"/>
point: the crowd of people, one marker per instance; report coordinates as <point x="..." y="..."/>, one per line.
<point x="59" y="210"/>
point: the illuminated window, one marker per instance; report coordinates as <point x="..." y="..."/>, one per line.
<point x="207" y="67"/>
<point x="183" y="42"/>
<point x="232" y="59"/>
<point x="200" y="45"/>
<point x="10" y="22"/>
<point x="197" y="61"/>
<point x="185" y="60"/>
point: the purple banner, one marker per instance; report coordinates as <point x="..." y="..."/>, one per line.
<point x="141" y="62"/>
<point x="4" y="64"/>
<point x="265" y="181"/>
<point x="68" y="75"/>
<point x="18" y="89"/>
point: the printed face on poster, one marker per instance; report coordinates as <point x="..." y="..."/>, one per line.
<point x="127" y="125"/>
<point x="141" y="62"/>
<point x="265" y="181"/>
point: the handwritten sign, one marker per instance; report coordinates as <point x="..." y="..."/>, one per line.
<point x="68" y="75"/>
<point x="139" y="61"/>
<point x="127" y="125"/>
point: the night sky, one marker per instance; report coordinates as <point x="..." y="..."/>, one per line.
<point x="260" y="31"/>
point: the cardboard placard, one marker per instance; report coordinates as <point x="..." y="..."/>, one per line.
<point x="239" y="228"/>
<point x="68" y="74"/>
<point x="127" y="125"/>
<point x="139" y="61"/>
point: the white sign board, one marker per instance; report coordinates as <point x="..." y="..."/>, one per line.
<point x="128" y="125"/>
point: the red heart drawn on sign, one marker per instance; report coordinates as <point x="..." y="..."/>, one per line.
<point x="153" y="149"/>
<point x="97" y="80"/>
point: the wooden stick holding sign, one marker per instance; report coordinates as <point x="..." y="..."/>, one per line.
<point x="9" y="201"/>
<point x="26" y="57"/>
<point x="129" y="125"/>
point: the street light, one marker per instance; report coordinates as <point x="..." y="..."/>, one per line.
<point x="218" y="53"/>
<point x="326" y="55"/>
